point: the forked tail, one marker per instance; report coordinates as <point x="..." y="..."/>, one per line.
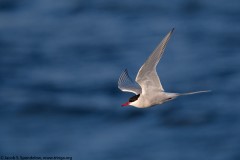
<point x="189" y="93"/>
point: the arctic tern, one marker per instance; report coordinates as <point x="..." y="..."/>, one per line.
<point x="147" y="86"/>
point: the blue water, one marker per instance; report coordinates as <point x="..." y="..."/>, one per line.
<point x="60" y="61"/>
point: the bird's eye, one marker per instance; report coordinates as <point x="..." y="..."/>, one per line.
<point x="134" y="98"/>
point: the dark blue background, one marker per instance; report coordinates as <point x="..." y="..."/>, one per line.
<point x="59" y="65"/>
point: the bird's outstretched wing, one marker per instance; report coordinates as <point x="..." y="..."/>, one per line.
<point x="147" y="76"/>
<point x="126" y="84"/>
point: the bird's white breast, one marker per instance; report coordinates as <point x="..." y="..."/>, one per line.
<point x="148" y="100"/>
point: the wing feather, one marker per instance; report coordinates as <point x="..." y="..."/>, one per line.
<point x="126" y="84"/>
<point x="147" y="75"/>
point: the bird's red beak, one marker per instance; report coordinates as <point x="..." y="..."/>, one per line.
<point x="125" y="104"/>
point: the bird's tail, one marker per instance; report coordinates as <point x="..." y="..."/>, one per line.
<point x="189" y="93"/>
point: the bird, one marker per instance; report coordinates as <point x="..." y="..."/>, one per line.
<point x="147" y="87"/>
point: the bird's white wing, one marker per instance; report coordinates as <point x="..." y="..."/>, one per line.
<point x="147" y="76"/>
<point x="126" y="84"/>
